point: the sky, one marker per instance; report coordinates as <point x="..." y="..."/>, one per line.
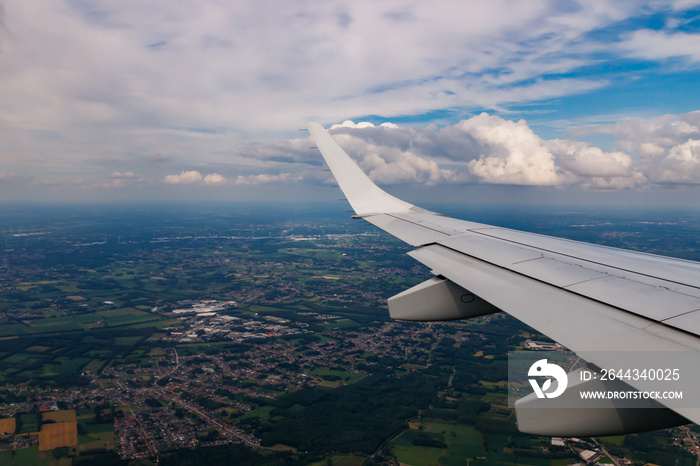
<point x="590" y="102"/>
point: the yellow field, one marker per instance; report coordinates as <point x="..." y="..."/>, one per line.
<point x="329" y="384"/>
<point x="7" y="425"/>
<point x="75" y="298"/>
<point x="414" y="425"/>
<point x="501" y="383"/>
<point x="413" y="366"/>
<point x="37" y="349"/>
<point x="62" y="434"/>
<point x="67" y="415"/>
<point x="281" y="447"/>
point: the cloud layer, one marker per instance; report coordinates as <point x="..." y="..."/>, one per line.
<point x="169" y="90"/>
<point x="667" y="148"/>
<point x="493" y="150"/>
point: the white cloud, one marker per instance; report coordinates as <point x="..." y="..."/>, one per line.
<point x="484" y="148"/>
<point x="105" y="83"/>
<point x="214" y="178"/>
<point x="263" y="179"/>
<point x="361" y="124"/>
<point x="185" y="177"/>
<point x="194" y="176"/>
<point x="516" y="155"/>
<point x="583" y="159"/>
<point x="659" y="45"/>
<point x="490" y="149"/>
<point x="665" y="130"/>
<point x="126" y="78"/>
<point x="666" y="147"/>
<point x="120" y="179"/>
<point x="681" y="165"/>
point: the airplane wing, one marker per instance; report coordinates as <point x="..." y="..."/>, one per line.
<point x="612" y="307"/>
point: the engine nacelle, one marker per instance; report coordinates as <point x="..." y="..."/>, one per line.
<point x="567" y="416"/>
<point x="437" y="299"/>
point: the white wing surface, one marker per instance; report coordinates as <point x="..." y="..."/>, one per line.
<point x="610" y="306"/>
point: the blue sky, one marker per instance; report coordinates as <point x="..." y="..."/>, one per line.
<point x="593" y="101"/>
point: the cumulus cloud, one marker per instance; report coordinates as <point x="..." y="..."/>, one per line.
<point x="185" y="177"/>
<point x="486" y="149"/>
<point x="516" y="154"/>
<point x="214" y="178"/>
<point x="263" y="179"/>
<point x="193" y="176"/>
<point x="361" y="125"/>
<point x="680" y="165"/>
<point x="665" y="147"/>
<point x="583" y="159"/>
<point x="387" y="164"/>
<point x="664" y="130"/>
<point x="120" y="179"/>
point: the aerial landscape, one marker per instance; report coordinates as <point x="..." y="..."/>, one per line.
<point x="182" y="282"/>
<point x="163" y="332"/>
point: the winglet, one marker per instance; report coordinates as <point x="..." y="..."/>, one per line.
<point x="364" y="196"/>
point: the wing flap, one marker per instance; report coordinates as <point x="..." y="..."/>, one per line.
<point x="654" y="302"/>
<point x="494" y="251"/>
<point x="673" y="270"/>
<point x="644" y="295"/>
<point x="556" y="272"/>
<point x="575" y="321"/>
<point x="411" y="233"/>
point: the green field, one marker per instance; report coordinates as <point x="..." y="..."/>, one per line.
<point x="126" y="316"/>
<point x="29" y="424"/>
<point x="616" y="440"/>
<point x="126" y="341"/>
<point x="462" y="442"/>
<point x="93" y="366"/>
<point x="342" y="323"/>
<point x="17" y="358"/>
<point x="22" y="457"/>
<point x="262" y="412"/>
<point x="96" y="441"/>
<point x="68" y="366"/>
<point x="67" y="324"/>
<point x="9" y="330"/>
<point x="352" y="377"/>
<point x="81" y="322"/>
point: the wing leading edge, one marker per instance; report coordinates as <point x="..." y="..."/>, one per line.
<point x="610" y="306"/>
